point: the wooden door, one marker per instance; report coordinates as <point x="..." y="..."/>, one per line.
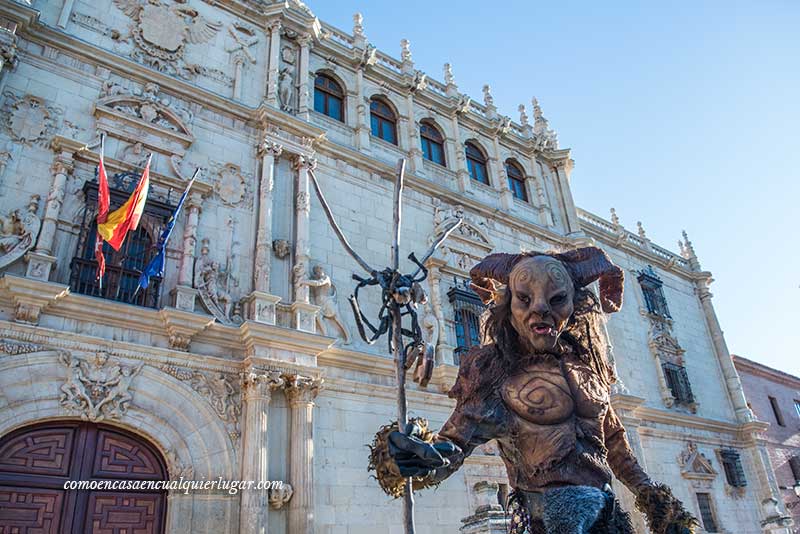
<point x="36" y="461"/>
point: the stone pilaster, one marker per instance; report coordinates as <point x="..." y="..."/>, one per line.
<point x="259" y="306"/>
<point x="257" y="392"/>
<point x="41" y="261"/>
<point x="300" y="394"/>
<point x="414" y="146"/>
<point x="444" y="352"/>
<point x="184" y="294"/>
<point x="732" y="381"/>
<point x="8" y="46"/>
<point x="238" y="66"/>
<point x="274" y="60"/>
<point x="489" y="517"/>
<point x="303" y="89"/>
<point x="66" y="11"/>
<point x="462" y="173"/>
<point x="303" y="312"/>
<point x="362" y="113"/>
<point x="561" y="170"/>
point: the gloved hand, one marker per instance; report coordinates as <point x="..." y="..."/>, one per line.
<point x="416" y="458"/>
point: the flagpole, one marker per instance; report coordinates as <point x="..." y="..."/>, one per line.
<point x="97" y="234"/>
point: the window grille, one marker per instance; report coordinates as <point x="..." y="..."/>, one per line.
<point x="732" y="464"/>
<point x="678" y="382"/>
<point x="652" y="289"/>
<point x="706" y="512"/>
<point x="467" y="308"/>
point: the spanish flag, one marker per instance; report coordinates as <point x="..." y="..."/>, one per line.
<point x="126" y="218"/>
<point x="103" y="201"/>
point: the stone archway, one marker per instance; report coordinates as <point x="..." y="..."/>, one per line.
<point x="37" y="460"/>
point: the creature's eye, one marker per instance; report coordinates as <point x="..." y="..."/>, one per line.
<point x="525" y="299"/>
<point x="559" y="299"/>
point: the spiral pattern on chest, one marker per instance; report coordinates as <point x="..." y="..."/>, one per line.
<point x="543" y="399"/>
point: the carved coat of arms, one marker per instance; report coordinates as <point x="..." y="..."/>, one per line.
<point x="162" y="30"/>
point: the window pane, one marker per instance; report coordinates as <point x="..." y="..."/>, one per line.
<point x="388" y="132"/>
<point x="437" y="153"/>
<point x="374" y="125"/>
<point x="319" y="101"/>
<point x="335" y="108"/>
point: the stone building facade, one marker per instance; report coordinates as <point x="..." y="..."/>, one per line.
<point x="774" y="397"/>
<point x="242" y="362"/>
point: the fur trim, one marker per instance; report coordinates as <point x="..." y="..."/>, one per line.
<point x="386" y="470"/>
<point x="663" y="511"/>
<point x="572" y="509"/>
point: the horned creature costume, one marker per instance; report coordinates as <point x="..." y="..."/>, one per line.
<point x="541" y="389"/>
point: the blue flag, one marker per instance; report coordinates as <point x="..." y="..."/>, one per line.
<point x="156" y="265"/>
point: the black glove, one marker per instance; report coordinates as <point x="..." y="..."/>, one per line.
<point x="417" y="458"/>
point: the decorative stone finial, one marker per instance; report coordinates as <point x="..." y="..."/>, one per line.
<point x="640" y="229"/>
<point x="449" y="79"/>
<point x="689" y="253"/>
<point x="523" y="115"/>
<point x="488" y="99"/>
<point x="358" y="25"/>
<point x="614" y="217"/>
<point x="405" y="50"/>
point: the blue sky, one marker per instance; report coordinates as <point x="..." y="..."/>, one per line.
<point x="678" y="114"/>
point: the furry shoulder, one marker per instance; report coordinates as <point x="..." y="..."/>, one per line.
<point x="479" y="367"/>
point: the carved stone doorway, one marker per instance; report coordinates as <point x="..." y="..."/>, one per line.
<point x="37" y="460"/>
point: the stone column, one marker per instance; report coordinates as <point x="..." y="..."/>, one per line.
<point x="506" y="196"/>
<point x="462" y="173"/>
<point x="303" y="91"/>
<point x="66" y="11"/>
<point x="184" y="294"/>
<point x="303" y="312"/>
<point x="538" y="187"/>
<point x="561" y="170"/>
<point x="732" y="381"/>
<point x="260" y="304"/>
<point x="444" y="352"/>
<point x="414" y="146"/>
<point x="362" y="113"/>
<point x="41" y="261"/>
<point x="489" y="517"/>
<point x="257" y="392"/>
<point x="300" y="394"/>
<point x="274" y="60"/>
<point x="238" y="65"/>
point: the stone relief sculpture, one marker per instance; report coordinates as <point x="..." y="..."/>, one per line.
<point x="286" y="79"/>
<point x="278" y="497"/>
<point x="325" y="297"/>
<point x="540" y="386"/>
<point x="147" y="104"/>
<point x="282" y="248"/>
<point x="97" y="389"/>
<point x="161" y="31"/>
<point x="28" y="119"/>
<point x="211" y="282"/>
<point x="18" y="232"/>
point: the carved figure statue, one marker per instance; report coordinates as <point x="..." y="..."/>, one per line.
<point x="325" y="297"/>
<point x="18" y="232"/>
<point x="540" y="387"/>
<point x="215" y="298"/>
<point x="286" y="88"/>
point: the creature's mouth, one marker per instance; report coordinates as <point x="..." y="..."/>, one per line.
<point x="543" y="329"/>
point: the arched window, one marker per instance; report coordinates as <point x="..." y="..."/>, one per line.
<point x="328" y="97"/>
<point x="383" y="121"/>
<point x="516" y="180"/>
<point x="432" y="142"/>
<point x="476" y="163"/>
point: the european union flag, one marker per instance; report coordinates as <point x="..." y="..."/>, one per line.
<point x="156" y="265"/>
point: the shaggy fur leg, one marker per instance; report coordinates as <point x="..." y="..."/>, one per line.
<point x="572" y="510"/>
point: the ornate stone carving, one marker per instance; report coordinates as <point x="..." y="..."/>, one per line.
<point x="325" y="297"/>
<point x="303" y="201"/>
<point x="281" y="495"/>
<point x="230" y="184"/>
<point x="488" y="99"/>
<point x="696" y="467"/>
<point x="261" y="383"/>
<point x="148" y="104"/>
<point x="545" y="138"/>
<point x="162" y="31"/>
<point x="8" y="346"/>
<point x="299" y="388"/>
<point x="286" y="80"/>
<point x="97" y="389"/>
<point x="467" y="244"/>
<point x="18" y="231"/>
<point x="282" y="248"/>
<point x="221" y="392"/>
<point x="211" y="282"/>
<point x="244" y="38"/>
<point x="29" y="120"/>
<point x="176" y="468"/>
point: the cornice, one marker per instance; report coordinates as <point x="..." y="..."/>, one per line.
<point x="746" y="366"/>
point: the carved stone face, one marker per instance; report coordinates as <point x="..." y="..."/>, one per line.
<point x="541" y="301"/>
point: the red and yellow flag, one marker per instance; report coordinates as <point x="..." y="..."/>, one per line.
<point x="103" y="202"/>
<point x="126" y="218"/>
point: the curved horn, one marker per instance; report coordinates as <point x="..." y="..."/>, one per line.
<point x="588" y="264"/>
<point x="492" y="271"/>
